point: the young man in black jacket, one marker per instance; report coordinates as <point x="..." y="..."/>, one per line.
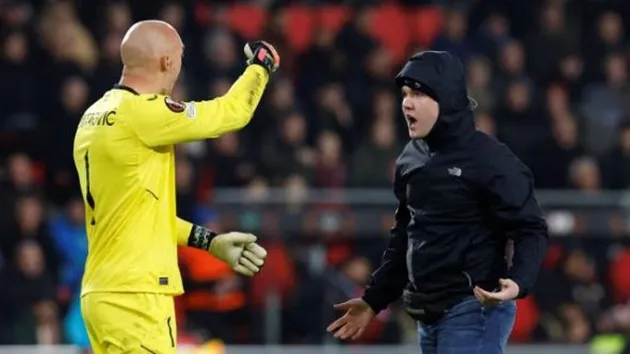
<point x="466" y="210"/>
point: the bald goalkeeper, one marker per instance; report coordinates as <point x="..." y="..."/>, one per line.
<point x="124" y="155"/>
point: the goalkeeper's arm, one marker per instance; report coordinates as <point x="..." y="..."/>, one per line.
<point x="239" y="250"/>
<point x="163" y="121"/>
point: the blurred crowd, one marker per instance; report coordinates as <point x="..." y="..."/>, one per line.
<point x="550" y="77"/>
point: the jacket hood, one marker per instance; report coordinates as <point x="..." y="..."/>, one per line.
<point x="442" y="76"/>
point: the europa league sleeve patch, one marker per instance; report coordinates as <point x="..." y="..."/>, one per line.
<point x="175" y="106"/>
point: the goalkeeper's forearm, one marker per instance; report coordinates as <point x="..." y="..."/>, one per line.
<point x="235" y="109"/>
<point x="192" y="235"/>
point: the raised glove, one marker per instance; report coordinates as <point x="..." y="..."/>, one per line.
<point x="240" y="251"/>
<point x="263" y="54"/>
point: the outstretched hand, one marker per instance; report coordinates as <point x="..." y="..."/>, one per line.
<point x="354" y="322"/>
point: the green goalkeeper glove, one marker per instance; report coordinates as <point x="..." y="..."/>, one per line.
<point x="240" y="251"/>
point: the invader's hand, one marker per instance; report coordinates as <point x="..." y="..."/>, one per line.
<point x="509" y="291"/>
<point x="354" y="322"/>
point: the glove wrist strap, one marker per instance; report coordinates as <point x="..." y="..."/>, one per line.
<point x="200" y="237"/>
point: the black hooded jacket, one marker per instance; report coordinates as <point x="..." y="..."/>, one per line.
<point x="462" y="196"/>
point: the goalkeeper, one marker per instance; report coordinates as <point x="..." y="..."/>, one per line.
<point x="124" y="155"/>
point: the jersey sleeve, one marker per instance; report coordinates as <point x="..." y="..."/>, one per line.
<point x="183" y="231"/>
<point x="160" y="120"/>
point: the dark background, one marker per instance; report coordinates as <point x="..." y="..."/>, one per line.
<point x="551" y="79"/>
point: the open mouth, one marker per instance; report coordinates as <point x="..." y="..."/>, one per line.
<point x="410" y="120"/>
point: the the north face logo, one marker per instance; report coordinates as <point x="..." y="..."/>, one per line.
<point x="455" y="171"/>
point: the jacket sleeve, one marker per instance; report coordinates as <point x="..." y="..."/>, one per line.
<point x="510" y="191"/>
<point x="388" y="281"/>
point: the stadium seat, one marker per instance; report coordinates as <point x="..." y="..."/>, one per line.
<point x="203" y="13"/>
<point x="279" y="275"/>
<point x="390" y="28"/>
<point x="39" y="172"/>
<point x="333" y="17"/>
<point x="247" y="20"/>
<point x="205" y="185"/>
<point x="527" y="318"/>
<point x="426" y="24"/>
<point x="620" y="277"/>
<point x="299" y="27"/>
<point x="554" y="256"/>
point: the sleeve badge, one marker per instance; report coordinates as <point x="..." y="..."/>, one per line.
<point x="174" y="106"/>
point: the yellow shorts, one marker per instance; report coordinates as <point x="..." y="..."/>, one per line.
<point x="130" y="322"/>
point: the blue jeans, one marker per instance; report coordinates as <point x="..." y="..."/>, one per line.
<point x="469" y="328"/>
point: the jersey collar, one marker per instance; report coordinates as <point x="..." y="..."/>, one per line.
<point x="126" y="88"/>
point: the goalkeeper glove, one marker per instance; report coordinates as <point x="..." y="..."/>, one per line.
<point x="240" y="251"/>
<point x="263" y="54"/>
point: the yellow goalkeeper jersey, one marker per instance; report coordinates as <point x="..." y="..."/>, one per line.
<point x="124" y="156"/>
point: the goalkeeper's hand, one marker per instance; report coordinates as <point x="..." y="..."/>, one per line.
<point x="240" y="251"/>
<point x="263" y="54"/>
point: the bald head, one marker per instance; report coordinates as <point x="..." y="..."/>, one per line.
<point x="152" y="50"/>
<point x="148" y="41"/>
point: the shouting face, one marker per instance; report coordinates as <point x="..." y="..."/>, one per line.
<point x="420" y="111"/>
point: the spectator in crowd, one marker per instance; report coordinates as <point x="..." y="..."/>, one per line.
<point x="453" y="38"/>
<point x="232" y="167"/>
<point x="30" y="300"/>
<point x="17" y="114"/>
<point x="330" y="168"/>
<point x="606" y="39"/>
<point x="485" y="123"/>
<point x="571" y="75"/>
<point x="281" y="103"/>
<point x="558" y="102"/>
<point x="552" y="38"/>
<point x="578" y="300"/>
<point x="604" y="104"/>
<point x="73" y="101"/>
<point x="67" y="231"/>
<point x="520" y="123"/>
<point x="384" y="107"/>
<point x="584" y="174"/>
<point x="334" y="113"/>
<point x="108" y="67"/>
<point x="31" y="225"/>
<point x="373" y="160"/>
<point x="479" y="76"/>
<point x="511" y="66"/>
<point x="493" y="34"/>
<point x="19" y="180"/>
<point x="221" y="56"/>
<point x="616" y="164"/>
<point x="288" y="153"/>
<point x="553" y="156"/>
